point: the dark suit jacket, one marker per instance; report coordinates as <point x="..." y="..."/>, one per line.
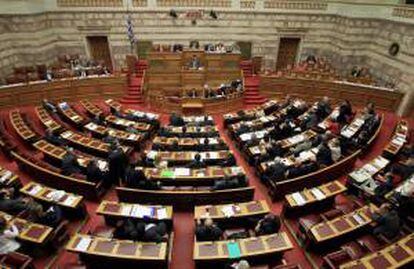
<point x="205" y="233"/>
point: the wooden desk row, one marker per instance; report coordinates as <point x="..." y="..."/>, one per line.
<point x="70" y="114"/>
<point x="129" y="138"/>
<point x="340" y="226"/>
<point x="314" y="197"/>
<point x="52" y="177"/>
<point x="187" y="141"/>
<point x="231" y="118"/>
<point x="202" y="131"/>
<point x="260" y="247"/>
<point x="237" y="211"/>
<point x="98" y="252"/>
<point x="20" y="126"/>
<point x="29" y="232"/>
<point x="116" y="106"/>
<point x="87" y="143"/>
<point x="124" y="123"/>
<point x="186" y="176"/>
<point x="395" y="255"/>
<point x="117" y="210"/>
<point x="56" y="153"/>
<point x="91" y="108"/>
<point x="185" y="198"/>
<point x="198" y="120"/>
<point x="399" y="139"/>
<point x="367" y="171"/>
<point x="51" y="195"/>
<point x="47" y="120"/>
<point x="188" y="156"/>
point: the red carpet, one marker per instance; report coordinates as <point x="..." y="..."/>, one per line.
<point x="183" y="221"/>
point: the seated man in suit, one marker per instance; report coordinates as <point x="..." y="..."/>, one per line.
<point x="11" y="204"/>
<point x="176" y="120"/>
<point x="387" y="220"/>
<point x="323" y="108"/>
<point x="274" y="172"/>
<point x="345" y="112"/>
<point x="118" y="161"/>
<point x="108" y="138"/>
<point x="335" y="147"/>
<point x="197" y="163"/>
<point x="52" y="216"/>
<point x="133" y="176"/>
<point x="95" y="174"/>
<point x="49" y="106"/>
<point x="155" y="232"/>
<point x="70" y="163"/>
<point x="128" y="229"/>
<point x="53" y="139"/>
<point x="207" y="230"/>
<point x="175" y="146"/>
<point x="324" y="155"/>
<point x="300" y="169"/>
<point x="270" y="224"/>
<point x="99" y="119"/>
<point x="194" y="62"/>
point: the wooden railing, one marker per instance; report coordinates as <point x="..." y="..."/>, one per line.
<point x="194" y="3"/>
<point x="139" y="3"/>
<point x="404" y="12"/>
<point x="305" y="5"/>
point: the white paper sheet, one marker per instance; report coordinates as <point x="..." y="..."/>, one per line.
<point x="83" y="244"/>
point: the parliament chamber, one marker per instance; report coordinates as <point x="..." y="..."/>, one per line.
<point x="187" y="134"/>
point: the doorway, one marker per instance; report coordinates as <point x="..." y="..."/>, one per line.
<point x="99" y="49"/>
<point x="288" y="49"/>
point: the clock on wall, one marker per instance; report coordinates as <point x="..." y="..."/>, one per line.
<point x="394" y="49"/>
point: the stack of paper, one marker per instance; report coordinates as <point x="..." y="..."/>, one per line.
<point x="142" y="211"/>
<point x="182" y="172"/>
<point x="318" y="194"/>
<point x="358" y="218"/>
<point x="66" y="134"/>
<point x="228" y="211"/>
<point x="35" y="189"/>
<point x="126" y="210"/>
<point x="162" y="213"/>
<point x="55" y="195"/>
<point x="298" y="198"/>
<point x="83" y="244"/>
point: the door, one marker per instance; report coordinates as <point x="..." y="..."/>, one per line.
<point x="288" y="48"/>
<point x="99" y="50"/>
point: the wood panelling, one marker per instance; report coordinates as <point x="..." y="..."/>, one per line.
<point x="69" y="90"/>
<point x="312" y="90"/>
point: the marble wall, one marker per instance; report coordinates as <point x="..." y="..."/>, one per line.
<point x="357" y="34"/>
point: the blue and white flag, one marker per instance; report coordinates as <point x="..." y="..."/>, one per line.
<point x="130" y="30"/>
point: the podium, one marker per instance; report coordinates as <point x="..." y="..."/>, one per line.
<point x="192" y="107"/>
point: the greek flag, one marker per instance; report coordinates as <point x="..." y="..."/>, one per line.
<point x="130" y="30"/>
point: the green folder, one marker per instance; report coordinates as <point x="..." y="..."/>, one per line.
<point x="234" y="250"/>
<point x="167" y="173"/>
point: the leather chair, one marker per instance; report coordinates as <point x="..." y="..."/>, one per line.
<point x="17" y="260"/>
<point x="60" y="235"/>
<point x="354" y="250"/>
<point x="370" y="243"/>
<point x="306" y="223"/>
<point x="334" y="259"/>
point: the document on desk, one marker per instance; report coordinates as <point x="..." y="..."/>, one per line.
<point x="35" y="190"/>
<point x="185" y="172"/>
<point x="358" y="219"/>
<point x="318" y="194"/>
<point x="298" y="198"/>
<point x="69" y="201"/>
<point x="162" y="213"/>
<point x="6" y="176"/>
<point x="234" y="250"/>
<point x="126" y="210"/>
<point x="228" y="211"/>
<point x="66" y="134"/>
<point x="83" y="244"/>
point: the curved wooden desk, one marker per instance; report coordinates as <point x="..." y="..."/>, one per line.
<point x="313" y="90"/>
<point x="71" y="89"/>
<point x="183" y="198"/>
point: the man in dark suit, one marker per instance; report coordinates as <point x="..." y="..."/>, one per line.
<point x="176" y="120"/>
<point x="197" y="163"/>
<point x="133" y="176"/>
<point x="207" y="231"/>
<point x="53" y="139"/>
<point x="155" y="232"/>
<point x="95" y="174"/>
<point x="387" y="220"/>
<point x="118" y="161"/>
<point x="229" y="161"/>
<point x="323" y="108"/>
<point x="324" y="155"/>
<point x="270" y="224"/>
<point x="49" y="106"/>
<point x="129" y="230"/>
<point x="52" y="216"/>
<point x="10" y="204"/>
<point x="70" y="163"/>
<point x="345" y="112"/>
<point x="275" y="172"/>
